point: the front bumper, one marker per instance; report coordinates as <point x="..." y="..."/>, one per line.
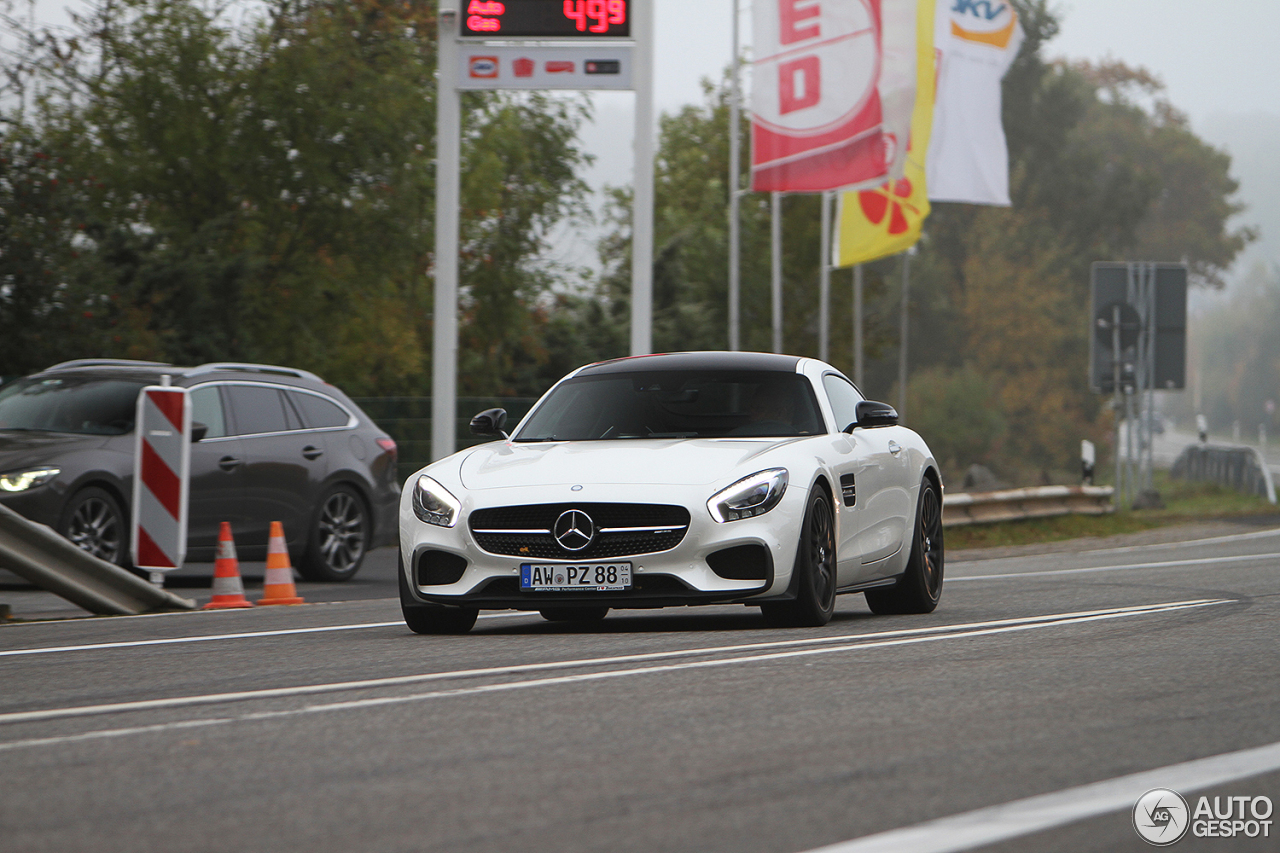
<point x="678" y="576"/>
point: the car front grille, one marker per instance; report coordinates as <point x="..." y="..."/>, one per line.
<point x="620" y="530"/>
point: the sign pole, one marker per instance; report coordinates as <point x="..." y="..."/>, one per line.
<point x="902" y="347"/>
<point x="444" y="339"/>
<point x="642" y="198"/>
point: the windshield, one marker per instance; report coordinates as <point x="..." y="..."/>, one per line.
<point x="676" y="404"/>
<point x="76" y="404"/>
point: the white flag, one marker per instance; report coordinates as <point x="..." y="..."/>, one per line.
<point x="977" y="41"/>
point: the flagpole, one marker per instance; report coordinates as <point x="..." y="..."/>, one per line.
<point x="902" y="339"/>
<point x="857" y="327"/>
<point x="775" y="266"/>
<point x="824" y="280"/>
<point x="735" y="169"/>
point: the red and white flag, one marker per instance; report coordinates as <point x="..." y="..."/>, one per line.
<point x="818" y="119"/>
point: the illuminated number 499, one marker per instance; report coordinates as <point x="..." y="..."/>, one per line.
<point x="601" y="12"/>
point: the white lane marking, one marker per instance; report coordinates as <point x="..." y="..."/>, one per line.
<point x="394" y="681"/>
<point x="128" y="644"/>
<point x="1066" y="619"/>
<point x="1188" y="543"/>
<point x="1035" y="814"/>
<point x="1165" y="564"/>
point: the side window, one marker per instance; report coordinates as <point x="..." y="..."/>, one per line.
<point x="844" y="400"/>
<point x="318" y="412"/>
<point x="206" y="408"/>
<point x="256" y="409"/>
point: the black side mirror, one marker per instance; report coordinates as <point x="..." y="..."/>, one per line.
<point x="198" y="431"/>
<point x="873" y="414"/>
<point x="489" y="422"/>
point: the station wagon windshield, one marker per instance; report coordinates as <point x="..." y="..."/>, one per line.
<point x="70" y="404"/>
<point x="676" y="404"/>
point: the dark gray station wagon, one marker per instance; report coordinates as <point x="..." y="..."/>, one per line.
<point x="269" y="444"/>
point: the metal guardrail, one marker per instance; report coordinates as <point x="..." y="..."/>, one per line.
<point x="1234" y="466"/>
<point x="40" y="555"/>
<point x="959" y="508"/>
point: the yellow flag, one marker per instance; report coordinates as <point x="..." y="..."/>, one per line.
<point x="887" y="220"/>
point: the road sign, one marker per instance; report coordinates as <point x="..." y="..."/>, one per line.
<point x="1151" y="298"/>
<point x="161" y="478"/>
<point x="575" y="66"/>
<point x="522" y="19"/>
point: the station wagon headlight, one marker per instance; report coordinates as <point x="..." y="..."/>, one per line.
<point x="20" y="481"/>
<point x="433" y="504"/>
<point x="750" y="496"/>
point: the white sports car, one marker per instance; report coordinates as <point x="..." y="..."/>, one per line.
<point x="677" y="479"/>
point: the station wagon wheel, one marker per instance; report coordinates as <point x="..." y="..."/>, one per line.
<point x="339" y="537"/>
<point x="94" y="522"/>
<point x="815" y="568"/>
<point x="920" y="587"/>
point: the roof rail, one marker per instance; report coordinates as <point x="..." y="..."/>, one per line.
<point x="253" y="368"/>
<point x="107" y="362"/>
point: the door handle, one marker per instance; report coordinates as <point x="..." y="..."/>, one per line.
<point x="894" y="447"/>
<point x="312" y="452"/>
<point x="228" y="463"/>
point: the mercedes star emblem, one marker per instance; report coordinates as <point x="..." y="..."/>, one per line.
<point x="574" y="530"/>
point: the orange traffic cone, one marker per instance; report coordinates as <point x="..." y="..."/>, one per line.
<point x="277" y="586"/>
<point x="228" y="590"/>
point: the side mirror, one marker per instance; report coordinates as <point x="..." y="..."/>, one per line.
<point x="489" y="422"/>
<point x="198" y="431"/>
<point x="873" y="414"/>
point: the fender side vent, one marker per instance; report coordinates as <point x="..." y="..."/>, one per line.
<point x="848" y="490"/>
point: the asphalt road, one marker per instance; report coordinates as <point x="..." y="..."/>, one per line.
<point x="331" y="727"/>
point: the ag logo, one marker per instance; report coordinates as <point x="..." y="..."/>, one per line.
<point x="1161" y="817"/>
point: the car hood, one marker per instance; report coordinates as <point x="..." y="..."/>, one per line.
<point x="657" y="462"/>
<point x="23" y="449"/>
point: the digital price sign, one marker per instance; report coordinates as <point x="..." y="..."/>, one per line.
<point x="546" y="18"/>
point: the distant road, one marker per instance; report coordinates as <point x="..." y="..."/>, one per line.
<point x="331" y="727"/>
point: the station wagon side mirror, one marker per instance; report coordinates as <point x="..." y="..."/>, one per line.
<point x="873" y="414"/>
<point x="489" y="422"/>
<point x="198" y="431"/>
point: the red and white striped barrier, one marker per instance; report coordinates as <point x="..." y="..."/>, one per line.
<point x="161" y="478"/>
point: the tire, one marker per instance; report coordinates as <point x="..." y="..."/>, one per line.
<point x="574" y="614"/>
<point x="339" y="537"/>
<point x="94" y="522"/>
<point x="816" y="567"/>
<point x="432" y="618"/>
<point x="920" y="587"/>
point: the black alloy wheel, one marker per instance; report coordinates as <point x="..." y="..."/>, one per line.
<point x="94" y="522"/>
<point x="339" y="537"/>
<point x="432" y="618"/>
<point x="920" y="587"/>
<point x="816" y="568"/>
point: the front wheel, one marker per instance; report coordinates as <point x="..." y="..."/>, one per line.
<point x="816" y="565"/>
<point x="339" y="537"/>
<point x="94" y="522"/>
<point x="920" y="587"/>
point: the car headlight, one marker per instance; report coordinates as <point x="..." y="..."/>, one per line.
<point x="750" y="496"/>
<point x="433" y="504"/>
<point x="20" y="481"/>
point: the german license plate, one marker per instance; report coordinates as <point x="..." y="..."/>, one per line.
<point x="574" y="577"/>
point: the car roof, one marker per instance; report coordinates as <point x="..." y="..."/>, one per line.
<point x="755" y="361"/>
